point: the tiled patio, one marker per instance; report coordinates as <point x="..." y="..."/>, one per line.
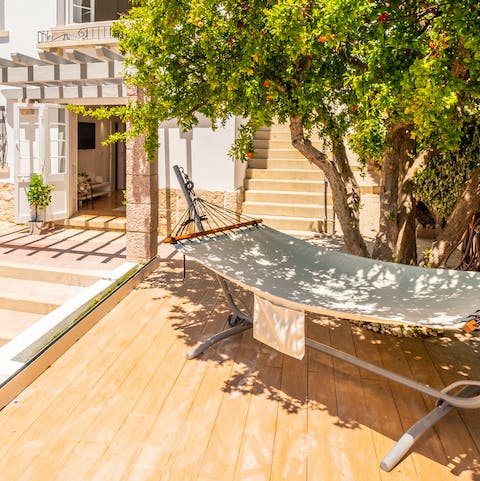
<point x="40" y="273"/>
<point x="83" y="250"/>
<point x="124" y="404"/>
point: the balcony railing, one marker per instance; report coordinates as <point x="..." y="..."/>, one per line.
<point x="80" y="33"/>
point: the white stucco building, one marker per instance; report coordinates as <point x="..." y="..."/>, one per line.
<point x="59" y="52"/>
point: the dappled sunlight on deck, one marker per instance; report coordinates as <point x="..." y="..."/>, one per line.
<point x="124" y="404"/>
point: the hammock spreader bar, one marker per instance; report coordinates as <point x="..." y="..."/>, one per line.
<point x="217" y="230"/>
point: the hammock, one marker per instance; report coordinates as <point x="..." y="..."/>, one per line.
<point x="289" y="275"/>
<point x="297" y="274"/>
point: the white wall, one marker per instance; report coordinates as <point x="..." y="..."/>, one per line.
<point x="23" y="18"/>
<point x="203" y="153"/>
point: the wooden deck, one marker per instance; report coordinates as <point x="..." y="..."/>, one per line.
<point x="124" y="404"/>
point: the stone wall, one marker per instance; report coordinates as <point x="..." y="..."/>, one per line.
<point x="7" y="202"/>
<point x="172" y="205"/>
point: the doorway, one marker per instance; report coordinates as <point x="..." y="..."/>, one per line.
<point x="101" y="168"/>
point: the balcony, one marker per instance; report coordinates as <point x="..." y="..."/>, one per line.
<point x="76" y="35"/>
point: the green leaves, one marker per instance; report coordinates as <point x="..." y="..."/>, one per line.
<point x="441" y="181"/>
<point x="39" y="195"/>
<point x="354" y="66"/>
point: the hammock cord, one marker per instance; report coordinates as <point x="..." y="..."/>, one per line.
<point x="212" y="216"/>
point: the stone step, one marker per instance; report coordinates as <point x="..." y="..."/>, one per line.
<point x="275" y="128"/>
<point x="262" y="167"/>
<point x="88" y="221"/>
<point x="282" y="164"/>
<point x="272" y="153"/>
<point x="308" y="175"/>
<point x="37" y="297"/>
<point x="369" y="189"/>
<point x="13" y="323"/>
<point x="285" y="185"/>
<point x="259" y="209"/>
<point x="46" y="274"/>
<point x="280" y="144"/>
<point x="288" y="224"/>
<point x="273" y="135"/>
<point x="313" y="198"/>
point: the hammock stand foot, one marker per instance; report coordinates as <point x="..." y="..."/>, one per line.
<point x="238" y="321"/>
<point x="196" y="351"/>
<point x="403" y="445"/>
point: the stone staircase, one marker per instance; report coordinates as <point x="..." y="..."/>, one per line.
<point x="286" y="190"/>
<point x="28" y="293"/>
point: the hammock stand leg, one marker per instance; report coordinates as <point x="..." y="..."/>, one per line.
<point x="238" y="321"/>
<point x="469" y="393"/>
<point x="400" y="449"/>
<point x="467" y="397"/>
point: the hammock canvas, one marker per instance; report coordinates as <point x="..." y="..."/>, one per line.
<point x="298" y="274"/>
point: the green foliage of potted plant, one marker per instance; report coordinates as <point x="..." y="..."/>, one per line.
<point x="39" y="196"/>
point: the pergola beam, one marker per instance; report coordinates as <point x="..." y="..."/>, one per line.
<point x="107" y="54"/>
<point x="53" y="58"/>
<point x="4" y="62"/>
<point x="61" y="73"/>
<point x="25" y="60"/>
<point x="80" y="57"/>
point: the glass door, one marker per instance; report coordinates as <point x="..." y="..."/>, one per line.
<point x="41" y="147"/>
<point x="82" y="11"/>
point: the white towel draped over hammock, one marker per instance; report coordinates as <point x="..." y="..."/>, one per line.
<point x="279" y="327"/>
<point x="298" y="275"/>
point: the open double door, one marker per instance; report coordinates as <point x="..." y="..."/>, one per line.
<point x="42" y="147"/>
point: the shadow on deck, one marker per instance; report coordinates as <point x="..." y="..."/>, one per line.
<point x="124" y="404"/>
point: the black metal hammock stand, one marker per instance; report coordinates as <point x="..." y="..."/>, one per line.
<point x="203" y="218"/>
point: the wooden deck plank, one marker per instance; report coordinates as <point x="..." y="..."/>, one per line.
<point x="220" y="456"/>
<point x="153" y="460"/>
<point x="429" y="446"/>
<point x="323" y="426"/>
<point x="86" y="431"/>
<point x="113" y="413"/>
<point x="23" y="410"/>
<point x="292" y="444"/>
<point x="255" y="453"/>
<point x="351" y="407"/>
<point x="459" y="431"/>
<point x="186" y="453"/>
<point x="382" y="415"/>
<point x="406" y="356"/>
<point x="60" y="401"/>
<point x="119" y="455"/>
<point x="197" y="387"/>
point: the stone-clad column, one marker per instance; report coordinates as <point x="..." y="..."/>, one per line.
<point x="142" y="198"/>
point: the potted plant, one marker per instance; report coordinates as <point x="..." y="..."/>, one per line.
<point x="39" y="196"/>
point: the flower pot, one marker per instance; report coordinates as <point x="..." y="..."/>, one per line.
<point x="35" y="227"/>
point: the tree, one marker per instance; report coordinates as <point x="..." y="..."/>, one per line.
<point x="396" y="78"/>
<point x="418" y="89"/>
<point x="260" y="60"/>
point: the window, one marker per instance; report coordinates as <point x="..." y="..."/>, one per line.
<point x="83" y="11"/>
<point x="2" y="15"/>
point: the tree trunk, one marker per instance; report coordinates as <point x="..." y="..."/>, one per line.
<point x="467" y="205"/>
<point x="396" y="211"/>
<point x="345" y="192"/>
<point x="406" y="249"/>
